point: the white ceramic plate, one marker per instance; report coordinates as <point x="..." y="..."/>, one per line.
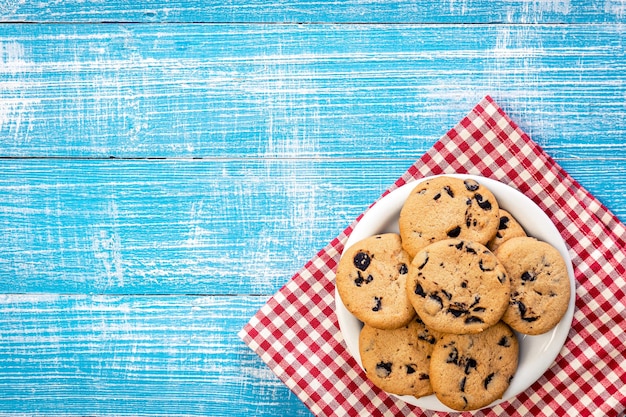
<point x="537" y="353"/>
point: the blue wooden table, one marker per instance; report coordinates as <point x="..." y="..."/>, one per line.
<point x="165" y="168"/>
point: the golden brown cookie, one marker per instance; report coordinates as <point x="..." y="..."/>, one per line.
<point x="468" y="372"/>
<point x="371" y="280"/>
<point x="540" y="286"/>
<point x="457" y="286"/>
<point x="397" y="361"/>
<point x="447" y="207"/>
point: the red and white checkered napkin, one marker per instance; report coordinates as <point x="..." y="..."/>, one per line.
<point x="296" y="333"/>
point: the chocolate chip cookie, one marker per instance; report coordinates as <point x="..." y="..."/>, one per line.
<point x="371" y="280"/>
<point x="458" y="286"/>
<point x="397" y="361"/>
<point x="540" y="287"/>
<point x="468" y="372"/>
<point x="447" y="207"/>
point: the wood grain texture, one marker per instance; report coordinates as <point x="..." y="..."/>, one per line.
<point x="141" y="356"/>
<point x="160" y="180"/>
<point x="303" y="91"/>
<point x="174" y="226"/>
<point x="344" y="11"/>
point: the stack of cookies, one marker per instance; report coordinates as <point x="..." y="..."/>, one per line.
<point x="440" y="301"/>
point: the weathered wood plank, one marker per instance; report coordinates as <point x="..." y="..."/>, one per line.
<point x="404" y="11"/>
<point x="174" y="226"/>
<point x="194" y="226"/>
<point x="304" y="91"/>
<point x="142" y="356"/>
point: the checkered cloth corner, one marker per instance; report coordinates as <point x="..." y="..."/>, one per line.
<point x="296" y="333"/>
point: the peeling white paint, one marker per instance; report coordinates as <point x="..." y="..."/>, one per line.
<point x="615" y="7"/>
<point x="8" y="7"/>
<point x="107" y="248"/>
<point x="16" y="110"/>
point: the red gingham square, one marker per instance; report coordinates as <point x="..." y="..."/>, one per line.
<point x="296" y="333"/>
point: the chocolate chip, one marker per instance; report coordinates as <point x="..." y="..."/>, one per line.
<point x="419" y="291"/>
<point x="448" y="191"/>
<point x="457" y="312"/>
<point x="473" y="319"/>
<point x="468" y="219"/>
<point x="383" y="369"/>
<point x="428" y="338"/>
<point x="424" y="262"/>
<point x="504" y="223"/>
<point x="378" y="305"/>
<point x="482" y="266"/>
<point x="437" y="299"/>
<point x="471" y="185"/>
<point x="522" y="311"/>
<point x="362" y="261"/>
<point x="483" y="204"/>
<point x="505" y="342"/>
<point x="528" y="276"/>
<point x="453" y="356"/>
<point x="410" y="370"/>
<point x="403" y="269"/>
<point x="476" y="301"/>
<point x="424" y="377"/>
<point x="462" y="384"/>
<point x="455" y="232"/>
<point x="437" y="196"/>
<point x="470" y="364"/>
<point x="470" y="250"/>
<point x="479" y="309"/>
<point x="501" y="278"/>
<point x="447" y="294"/>
<point x="464" y="284"/>
<point x="359" y="281"/>
<point x="459" y="245"/>
<point x="488" y="380"/>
